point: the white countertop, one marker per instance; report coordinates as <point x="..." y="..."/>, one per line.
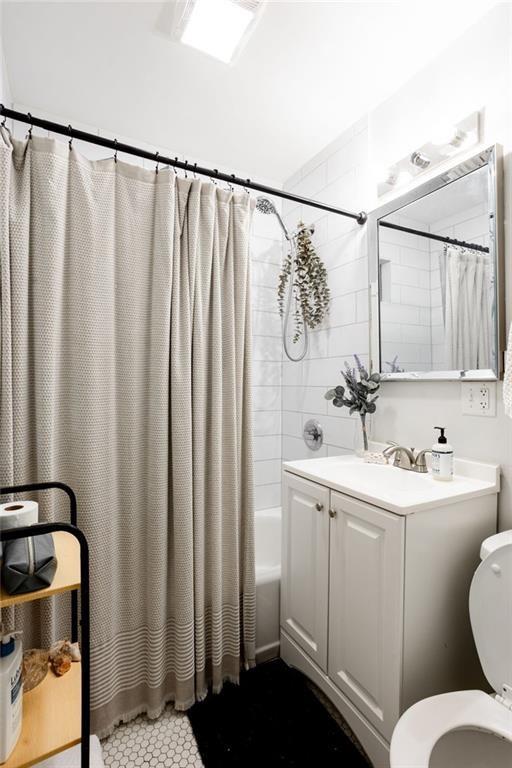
<point x="398" y="490"/>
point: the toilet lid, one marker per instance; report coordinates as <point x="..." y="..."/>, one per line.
<point x="490" y="608"/>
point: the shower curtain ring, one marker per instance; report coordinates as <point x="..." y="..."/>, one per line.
<point x="156" y="159"/>
<point x="115" y="150"/>
<point x="174" y="167"/>
<point x="194" y="171"/>
<point x="231" y="184"/>
<point x="70" y="129"/>
<point x="248" y="181"/>
<point x="186" y="166"/>
<point x="31" y="125"/>
<point x="2" y="108"/>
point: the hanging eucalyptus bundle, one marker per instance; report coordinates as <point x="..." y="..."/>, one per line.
<point x="311" y="293"/>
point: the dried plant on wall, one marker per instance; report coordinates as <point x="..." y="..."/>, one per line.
<point x="311" y="293"/>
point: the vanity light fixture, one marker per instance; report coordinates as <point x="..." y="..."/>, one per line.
<point x="447" y="139"/>
<point x="217" y="27"/>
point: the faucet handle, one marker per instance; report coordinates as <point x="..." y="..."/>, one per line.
<point x="420" y="462"/>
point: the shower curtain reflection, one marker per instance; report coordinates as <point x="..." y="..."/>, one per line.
<point x="467" y="286"/>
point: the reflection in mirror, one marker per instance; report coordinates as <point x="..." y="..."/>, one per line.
<point x="435" y="268"/>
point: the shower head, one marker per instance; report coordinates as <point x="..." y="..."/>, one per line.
<point x="264" y="205"/>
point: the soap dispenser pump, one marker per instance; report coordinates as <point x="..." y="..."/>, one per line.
<point x="442" y="457"/>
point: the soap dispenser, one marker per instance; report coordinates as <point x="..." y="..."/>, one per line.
<point x="442" y="457"/>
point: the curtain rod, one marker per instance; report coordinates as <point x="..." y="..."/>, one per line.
<point x="431" y="236"/>
<point x="213" y="174"/>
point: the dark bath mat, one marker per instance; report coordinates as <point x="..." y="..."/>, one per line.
<point x="271" y="719"/>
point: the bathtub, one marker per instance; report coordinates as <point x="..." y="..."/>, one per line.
<point x="268" y="580"/>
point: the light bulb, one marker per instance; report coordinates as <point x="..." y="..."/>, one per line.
<point x="444" y="134"/>
<point x="387" y="174"/>
<point x="403" y="177"/>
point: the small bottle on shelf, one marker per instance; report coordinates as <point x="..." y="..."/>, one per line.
<point x="11" y="691"/>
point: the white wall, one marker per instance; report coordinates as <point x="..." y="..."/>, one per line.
<point x="5" y="90"/>
<point x="475" y="73"/>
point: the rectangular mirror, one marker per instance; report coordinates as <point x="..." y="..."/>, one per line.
<point x="436" y="282"/>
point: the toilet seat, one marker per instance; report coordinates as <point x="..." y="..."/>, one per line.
<point x="490" y="611"/>
<point x="422" y="725"/>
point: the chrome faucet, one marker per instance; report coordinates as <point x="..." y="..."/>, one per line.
<point x="405" y="458"/>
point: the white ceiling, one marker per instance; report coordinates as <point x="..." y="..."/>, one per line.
<point x="309" y="70"/>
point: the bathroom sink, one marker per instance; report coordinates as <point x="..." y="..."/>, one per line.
<point x="398" y="490"/>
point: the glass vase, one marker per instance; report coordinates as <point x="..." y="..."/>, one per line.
<point x="362" y="434"/>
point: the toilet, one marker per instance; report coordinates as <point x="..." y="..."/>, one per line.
<point x="470" y="729"/>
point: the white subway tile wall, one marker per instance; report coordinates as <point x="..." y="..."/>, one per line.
<point x="338" y="175"/>
<point x="405" y="302"/>
<point x="266" y="256"/>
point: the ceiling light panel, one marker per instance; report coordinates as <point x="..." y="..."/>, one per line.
<point x="217" y="27"/>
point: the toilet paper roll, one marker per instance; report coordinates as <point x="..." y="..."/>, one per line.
<point x="14" y="514"/>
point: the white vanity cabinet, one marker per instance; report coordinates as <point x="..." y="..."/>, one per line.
<point x="374" y="602"/>
<point x="365" y="607"/>
<point x="305" y="584"/>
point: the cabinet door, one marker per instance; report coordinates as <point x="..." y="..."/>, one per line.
<point x="305" y="568"/>
<point x="365" y="608"/>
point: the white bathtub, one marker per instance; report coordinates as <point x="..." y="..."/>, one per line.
<point x="268" y="581"/>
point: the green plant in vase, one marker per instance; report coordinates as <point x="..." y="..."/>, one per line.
<point x="359" y="394"/>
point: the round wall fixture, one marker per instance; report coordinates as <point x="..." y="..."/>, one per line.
<point x="313" y="434"/>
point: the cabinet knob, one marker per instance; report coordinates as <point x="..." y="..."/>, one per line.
<point x="319" y="506"/>
<point x="332" y="513"/>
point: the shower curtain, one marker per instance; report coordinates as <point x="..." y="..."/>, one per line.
<point x="467" y="309"/>
<point x="126" y="373"/>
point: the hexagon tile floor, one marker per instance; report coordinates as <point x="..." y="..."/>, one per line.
<point x="169" y="741"/>
<point x="164" y="743"/>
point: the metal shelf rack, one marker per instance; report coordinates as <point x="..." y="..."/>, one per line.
<point x="37" y="740"/>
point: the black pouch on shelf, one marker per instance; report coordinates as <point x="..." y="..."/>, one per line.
<point x="28" y="564"/>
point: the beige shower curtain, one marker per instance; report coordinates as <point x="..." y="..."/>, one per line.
<point x="125" y="332"/>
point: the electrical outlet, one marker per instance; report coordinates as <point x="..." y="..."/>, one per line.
<point x="478" y="398"/>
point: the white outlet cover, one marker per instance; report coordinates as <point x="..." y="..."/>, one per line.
<point x="478" y="398"/>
